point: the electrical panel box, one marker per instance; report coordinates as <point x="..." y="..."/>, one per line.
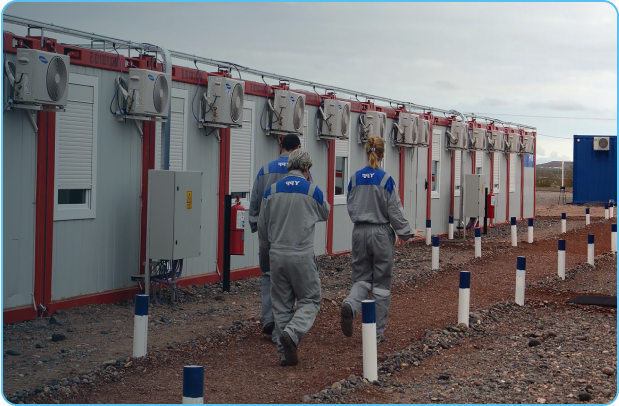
<point x="174" y="214"/>
<point x="474" y="190"/>
<point x="478" y="139"/>
<point x="497" y="139"/>
<point x="224" y="104"/>
<point x="421" y="131"/>
<point x="41" y="77"/>
<point x="458" y="135"/>
<point x="337" y="124"/>
<point x="288" y="112"/>
<point x="149" y="92"/>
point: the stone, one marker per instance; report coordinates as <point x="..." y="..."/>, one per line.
<point x="584" y="396"/>
<point x="534" y="343"/>
<point x="53" y="320"/>
<point x="39" y="345"/>
<point x="444" y="376"/>
<point x="539" y="326"/>
<point x="110" y="362"/>
<point x="76" y="379"/>
<point x="306" y="399"/>
<point x="336" y="386"/>
<point x="608" y="371"/>
<point x="541" y="400"/>
<point x="165" y="319"/>
<point x="128" y="364"/>
<point x="70" y="330"/>
<point x="104" y="332"/>
<point x="58" y="337"/>
<point x="219" y="298"/>
<point x="13" y="352"/>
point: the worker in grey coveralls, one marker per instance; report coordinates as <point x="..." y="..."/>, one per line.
<point x="376" y="211"/>
<point x="269" y="174"/>
<point x="290" y="209"/>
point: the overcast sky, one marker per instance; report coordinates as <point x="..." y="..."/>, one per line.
<point x="521" y="59"/>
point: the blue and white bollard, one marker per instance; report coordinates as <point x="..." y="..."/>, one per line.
<point x="368" y="337"/>
<point x="611" y="209"/>
<point x="587" y="217"/>
<point x="428" y="232"/>
<point x="530" y="235"/>
<point x="140" y="326"/>
<point x="521" y="266"/>
<point x="561" y="267"/>
<point x="563" y="223"/>
<point x="514" y="233"/>
<point x="613" y="238"/>
<point x="193" y="384"/>
<point x="464" y="298"/>
<point x="435" y="252"/>
<point x="477" y="242"/>
<point x="606" y="211"/>
<point x="590" y="250"/>
<point x="450" y="232"/>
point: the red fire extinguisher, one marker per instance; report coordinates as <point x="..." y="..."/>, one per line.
<point x="237" y="229"/>
<point x="491" y="203"/>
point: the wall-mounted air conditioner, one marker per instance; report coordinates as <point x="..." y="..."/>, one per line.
<point x="373" y="124"/>
<point x="421" y="131"/>
<point x="513" y="142"/>
<point x="40" y="78"/>
<point x="458" y="135"/>
<point x="601" y="143"/>
<point x="404" y="129"/>
<point x="527" y="144"/>
<point x="222" y="105"/>
<point x="479" y="139"/>
<point x="336" y="119"/>
<point x="288" y="112"/>
<point x="148" y="92"/>
<point x="497" y="141"/>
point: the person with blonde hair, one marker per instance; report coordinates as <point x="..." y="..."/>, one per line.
<point x="376" y="211"/>
<point x="290" y="209"/>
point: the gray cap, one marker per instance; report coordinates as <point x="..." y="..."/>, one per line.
<point x="299" y="160"/>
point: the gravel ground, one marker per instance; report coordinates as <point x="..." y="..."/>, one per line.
<point x="222" y="331"/>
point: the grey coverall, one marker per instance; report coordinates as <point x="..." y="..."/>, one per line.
<point x="268" y="175"/>
<point x="290" y="209"/>
<point x="374" y="207"/>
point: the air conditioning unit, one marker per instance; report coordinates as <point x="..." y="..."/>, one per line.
<point x="337" y="122"/>
<point x="528" y="145"/>
<point x="601" y="143"/>
<point x="513" y="142"/>
<point x="458" y="135"/>
<point x="375" y="124"/>
<point x="421" y="131"/>
<point x="479" y="139"/>
<point x="223" y="105"/>
<point x="149" y="92"/>
<point x="497" y="140"/>
<point x="41" y="78"/>
<point x="404" y="129"/>
<point x="288" y="112"/>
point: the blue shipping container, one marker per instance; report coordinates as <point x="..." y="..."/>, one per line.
<point x="595" y="172"/>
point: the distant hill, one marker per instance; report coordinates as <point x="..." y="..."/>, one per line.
<point x="557" y="164"/>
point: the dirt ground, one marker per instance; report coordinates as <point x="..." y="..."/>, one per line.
<point x="222" y="331"/>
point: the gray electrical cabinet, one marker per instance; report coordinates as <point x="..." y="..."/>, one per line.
<point x="474" y="190"/>
<point x="174" y="214"/>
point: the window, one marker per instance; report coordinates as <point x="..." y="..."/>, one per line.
<point x="178" y="133"/>
<point x="436" y="163"/>
<point x="341" y="170"/>
<point x="512" y="172"/>
<point x="458" y="170"/>
<point x="496" y="176"/>
<point x="241" y="156"/>
<point x="76" y="151"/>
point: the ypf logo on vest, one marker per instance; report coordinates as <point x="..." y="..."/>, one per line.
<point x="293" y="182"/>
<point x="282" y="163"/>
<point x="367" y="175"/>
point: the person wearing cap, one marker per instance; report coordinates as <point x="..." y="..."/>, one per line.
<point x="268" y="175"/>
<point x="376" y="211"/>
<point x="290" y="209"/>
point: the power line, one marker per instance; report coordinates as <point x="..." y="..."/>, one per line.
<point x="566" y="118"/>
<point x="554" y="136"/>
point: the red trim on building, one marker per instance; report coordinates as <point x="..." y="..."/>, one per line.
<point x="507" y="216"/>
<point x="492" y="182"/>
<point x="224" y="189"/>
<point x="429" y="170"/>
<point x="473" y="158"/>
<point x="148" y="162"/>
<point x="330" y="191"/>
<point x="120" y="295"/>
<point x="534" y="171"/>
<point x="453" y="183"/>
<point x="521" y="186"/>
<point x="49" y="206"/>
<point x="402" y="173"/>
<point x="18" y="314"/>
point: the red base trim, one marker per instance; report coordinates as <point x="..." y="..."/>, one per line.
<point x="330" y="192"/>
<point x="97" y="298"/>
<point x="18" y="314"/>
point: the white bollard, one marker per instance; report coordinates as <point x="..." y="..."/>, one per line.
<point x="514" y="233"/>
<point x="613" y="238"/>
<point x="193" y="384"/>
<point x="587" y="217"/>
<point x="464" y="298"/>
<point x="435" y="252"/>
<point x="450" y="233"/>
<point x="563" y="223"/>
<point x="521" y="266"/>
<point x="368" y="337"/>
<point x="530" y="234"/>
<point x="561" y="267"/>
<point x="477" y="242"/>
<point x="140" y="326"/>
<point x="611" y="209"/>
<point x="590" y="251"/>
<point x="606" y="211"/>
<point x="428" y="232"/>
